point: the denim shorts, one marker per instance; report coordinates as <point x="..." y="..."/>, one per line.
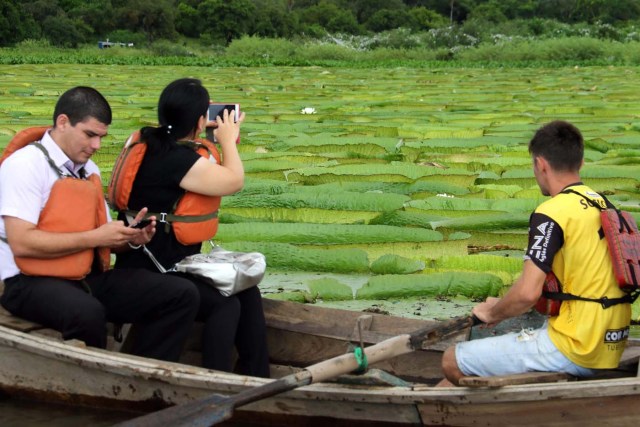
<point x="514" y="353"/>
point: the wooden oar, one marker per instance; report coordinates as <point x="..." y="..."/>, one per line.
<point x="214" y="409"/>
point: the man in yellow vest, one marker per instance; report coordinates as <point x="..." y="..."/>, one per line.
<point x="56" y="234"/>
<point x="564" y="238"/>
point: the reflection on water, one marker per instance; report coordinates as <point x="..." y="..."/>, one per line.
<point x="22" y="413"/>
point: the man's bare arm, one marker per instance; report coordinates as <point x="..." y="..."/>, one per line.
<point x="26" y="240"/>
<point x="519" y="299"/>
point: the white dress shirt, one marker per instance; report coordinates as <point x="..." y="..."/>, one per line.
<point x="26" y="179"/>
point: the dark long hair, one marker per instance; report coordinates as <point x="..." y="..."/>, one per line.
<point x="180" y="106"/>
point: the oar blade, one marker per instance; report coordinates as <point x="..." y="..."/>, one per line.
<point x="206" y="417"/>
<point x="217" y="409"/>
<point x="216" y="413"/>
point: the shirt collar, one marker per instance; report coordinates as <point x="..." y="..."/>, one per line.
<point x="572" y="185"/>
<point x="60" y="159"/>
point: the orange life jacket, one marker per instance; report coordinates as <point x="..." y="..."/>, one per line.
<point x="194" y="217"/>
<point x="22" y="138"/>
<point x="74" y="205"/>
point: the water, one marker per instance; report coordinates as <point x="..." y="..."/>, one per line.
<point x="24" y="413"/>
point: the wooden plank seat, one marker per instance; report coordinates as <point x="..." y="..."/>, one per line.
<point x="13" y="322"/>
<point x="10" y="321"/>
<point x="515" y="379"/>
<point x="16" y="323"/>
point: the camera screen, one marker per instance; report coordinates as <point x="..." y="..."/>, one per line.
<point x="218" y="109"/>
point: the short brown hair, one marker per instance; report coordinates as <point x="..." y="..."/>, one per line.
<point x="561" y="144"/>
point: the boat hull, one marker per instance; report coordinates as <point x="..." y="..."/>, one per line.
<point x="37" y="366"/>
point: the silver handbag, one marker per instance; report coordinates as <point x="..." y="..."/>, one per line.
<point x="229" y="272"/>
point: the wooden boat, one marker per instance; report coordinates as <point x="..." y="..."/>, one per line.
<point x="35" y="363"/>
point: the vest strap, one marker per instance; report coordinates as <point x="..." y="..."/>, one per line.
<point x="48" y="157"/>
<point x="604" y="301"/>
<point x="164" y="217"/>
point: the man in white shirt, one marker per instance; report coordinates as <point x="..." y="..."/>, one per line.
<point x="54" y="245"/>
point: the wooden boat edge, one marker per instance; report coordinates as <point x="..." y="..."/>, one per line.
<point x="182" y="374"/>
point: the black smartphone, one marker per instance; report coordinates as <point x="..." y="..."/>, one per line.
<point x="217" y="109"/>
<point x="141" y="224"/>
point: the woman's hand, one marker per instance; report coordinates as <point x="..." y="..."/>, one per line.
<point x="227" y="127"/>
<point x="212" y="179"/>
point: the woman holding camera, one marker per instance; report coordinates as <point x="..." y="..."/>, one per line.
<point x="171" y="168"/>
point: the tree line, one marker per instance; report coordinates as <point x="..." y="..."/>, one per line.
<point x="69" y="23"/>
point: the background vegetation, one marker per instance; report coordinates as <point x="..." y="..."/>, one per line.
<point x="434" y="142"/>
<point x="320" y="32"/>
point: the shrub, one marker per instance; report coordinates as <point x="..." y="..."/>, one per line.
<point x="401" y="38"/>
<point x="569" y="49"/>
<point x="167" y="48"/>
<point x="33" y="44"/>
<point x="632" y="52"/>
<point x="258" y="49"/>
<point x="575" y="48"/>
<point x="326" y="52"/>
<point x="449" y="37"/>
<point x="632" y="36"/>
<point x="607" y="31"/>
<point x="384" y="54"/>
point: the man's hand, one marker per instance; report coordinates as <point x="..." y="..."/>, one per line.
<point x="519" y="299"/>
<point x="146" y="233"/>
<point x="116" y="234"/>
<point x="483" y="311"/>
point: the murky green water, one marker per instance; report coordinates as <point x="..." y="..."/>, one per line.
<point x="22" y="413"/>
<point x="418" y="307"/>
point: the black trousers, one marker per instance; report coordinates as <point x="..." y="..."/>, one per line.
<point x="161" y="306"/>
<point x="236" y="321"/>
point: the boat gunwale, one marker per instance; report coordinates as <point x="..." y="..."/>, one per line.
<point x="198" y="378"/>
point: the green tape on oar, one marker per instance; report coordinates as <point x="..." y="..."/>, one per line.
<point x="215" y="409"/>
<point x="361" y="358"/>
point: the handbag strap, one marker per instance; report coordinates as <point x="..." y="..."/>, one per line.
<point x="159" y="266"/>
<point x="155" y="261"/>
